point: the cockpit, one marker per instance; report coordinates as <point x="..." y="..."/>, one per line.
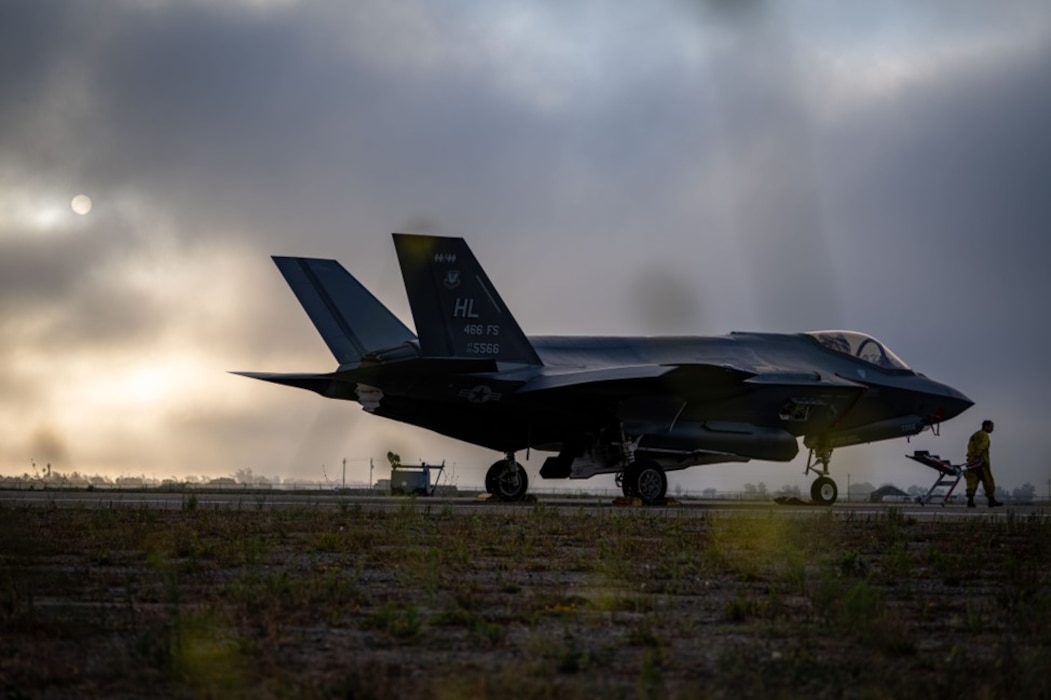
<point x="864" y="347"/>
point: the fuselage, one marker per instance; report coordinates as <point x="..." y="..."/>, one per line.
<point x="785" y="382"/>
<point x="798" y="357"/>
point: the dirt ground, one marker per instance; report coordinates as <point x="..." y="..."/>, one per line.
<point x="531" y="602"/>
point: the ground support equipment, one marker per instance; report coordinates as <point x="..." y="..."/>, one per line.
<point x="948" y="475"/>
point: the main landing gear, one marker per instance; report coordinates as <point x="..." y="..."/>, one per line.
<point x="506" y="480"/>
<point x="645" y="480"/>
<point x="824" y="490"/>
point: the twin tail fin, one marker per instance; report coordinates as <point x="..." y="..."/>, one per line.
<point x="457" y="310"/>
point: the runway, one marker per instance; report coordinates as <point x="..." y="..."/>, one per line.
<point x="275" y="500"/>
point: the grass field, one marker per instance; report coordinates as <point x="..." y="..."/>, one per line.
<point x="523" y="603"/>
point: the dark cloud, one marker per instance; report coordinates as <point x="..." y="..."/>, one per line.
<point x="946" y="188"/>
<point x="944" y="192"/>
<point x="666" y="301"/>
<point x="705" y="175"/>
<point x="65" y="285"/>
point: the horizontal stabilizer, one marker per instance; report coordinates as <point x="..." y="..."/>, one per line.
<point x="349" y="318"/>
<point x="324" y="384"/>
<point x="341" y="383"/>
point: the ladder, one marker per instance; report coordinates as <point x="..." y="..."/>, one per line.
<point x="948" y="475"/>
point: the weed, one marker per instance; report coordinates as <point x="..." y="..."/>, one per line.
<point x="206" y="655"/>
<point x="572" y="657"/>
<point x="649" y="683"/>
<point x="948" y="566"/>
<point x="642" y="635"/>
<point x="895" y="565"/>
<point x="547" y="602"/>
<point x="399" y="621"/>
<point x="619" y="601"/>
<point x="486" y="634"/>
<point x="16" y="600"/>
<point x="740" y="609"/>
<point x="973" y="618"/>
<point x="852" y="564"/>
<point x="796" y="568"/>
<point x="330" y="542"/>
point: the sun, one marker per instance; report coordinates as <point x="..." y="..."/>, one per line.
<point x="81" y="204"/>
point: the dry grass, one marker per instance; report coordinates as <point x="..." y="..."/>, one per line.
<point x="428" y="602"/>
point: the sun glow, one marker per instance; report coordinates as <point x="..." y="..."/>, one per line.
<point x="81" y="204"/>
<point x="31" y="211"/>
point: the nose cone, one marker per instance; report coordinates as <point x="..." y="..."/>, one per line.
<point x="945" y="402"/>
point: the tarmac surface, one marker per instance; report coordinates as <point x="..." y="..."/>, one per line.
<point x="265" y="500"/>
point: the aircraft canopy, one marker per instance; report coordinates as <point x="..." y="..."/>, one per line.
<point x="859" y="345"/>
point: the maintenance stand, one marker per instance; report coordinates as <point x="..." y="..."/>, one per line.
<point x="948" y="475"/>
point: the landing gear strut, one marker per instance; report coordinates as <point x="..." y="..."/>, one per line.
<point x="823" y="491"/>
<point x="642" y="478"/>
<point x="506" y="480"/>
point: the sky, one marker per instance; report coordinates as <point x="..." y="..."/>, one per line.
<point x="670" y="167"/>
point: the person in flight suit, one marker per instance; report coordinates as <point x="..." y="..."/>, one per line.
<point x="978" y="467"/>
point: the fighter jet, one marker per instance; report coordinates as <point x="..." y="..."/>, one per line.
<point x="636" y="407"/>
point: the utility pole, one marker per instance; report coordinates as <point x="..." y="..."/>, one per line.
<point x="344" y="474"/>
<point x="370" y="474"/>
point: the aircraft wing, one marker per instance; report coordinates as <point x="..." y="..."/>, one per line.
<point x="577" y="378"/>
<point x="697" y="374"/>
<point x="802" y="379"/>
<point x="651" y="399"/>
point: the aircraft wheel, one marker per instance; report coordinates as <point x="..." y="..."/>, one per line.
<point x="824" y="491"/>
<point x="507" y="481"/>
<point x="647" y="482"/>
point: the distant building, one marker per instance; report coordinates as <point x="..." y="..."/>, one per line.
<point x="888" y="493"/>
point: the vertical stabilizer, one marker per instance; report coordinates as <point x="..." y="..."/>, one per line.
<point x="352" y="322"/>
<point x="458" y="312"/>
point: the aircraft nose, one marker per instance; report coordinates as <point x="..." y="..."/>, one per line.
<point x="948" y="403"/>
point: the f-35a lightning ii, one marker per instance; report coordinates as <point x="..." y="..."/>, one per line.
<point x="634" y="407"/>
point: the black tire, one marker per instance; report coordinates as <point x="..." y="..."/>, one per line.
<point x="507" y="481"/>
<point x="491" y="476"/>
<point x="647" y="482"/>
<point x="824" y="491"/>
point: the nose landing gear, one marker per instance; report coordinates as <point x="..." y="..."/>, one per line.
<point x="824" y="490"/>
